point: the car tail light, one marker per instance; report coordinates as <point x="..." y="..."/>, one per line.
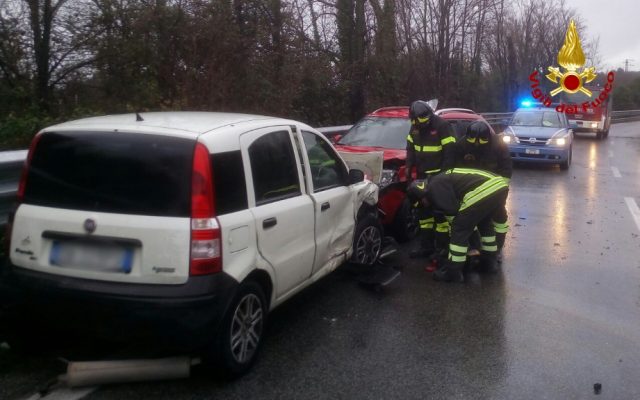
<point x="25" y="169"/>
<point x="22" y="185"/>
<point x="206" y="241"/>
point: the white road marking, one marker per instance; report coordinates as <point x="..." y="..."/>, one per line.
<point x="633" y="208"/>
<point x="64" y="394"/>
<point x="616" y="172"/>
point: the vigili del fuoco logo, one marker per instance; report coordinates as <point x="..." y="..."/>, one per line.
<point x="573" y="78"/>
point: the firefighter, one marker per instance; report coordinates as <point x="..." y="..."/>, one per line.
<point x="471" y="197"/>
<point x="429" y="149"/>
<point x="481" y="149"/>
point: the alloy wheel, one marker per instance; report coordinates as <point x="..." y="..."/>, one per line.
<point x="368" y="245"/>
<point x="246" y="328"/>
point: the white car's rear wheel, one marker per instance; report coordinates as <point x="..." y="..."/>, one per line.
<point x="243" y="328"/>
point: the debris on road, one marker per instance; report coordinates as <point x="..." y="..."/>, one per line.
<point x="92" y="373"/>
<point x="597" y="388"/>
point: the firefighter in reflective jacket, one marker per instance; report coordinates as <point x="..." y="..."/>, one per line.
<point x="430" y="150"/>
<point x="471" y="197"/>
<point x="481" y="149"/>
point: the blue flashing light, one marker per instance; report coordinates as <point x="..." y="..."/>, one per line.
<point x="526" y="103"/>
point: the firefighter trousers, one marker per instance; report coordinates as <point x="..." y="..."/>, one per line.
<point x="479" y="215"/>
<point x="500" y="224"/>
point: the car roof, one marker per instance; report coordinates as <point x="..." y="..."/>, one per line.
<point x="536" y="109"/>
<point x="391" y="112"/>
<point x="462" y="115"/>
<point x="444" y="111"/>
<point x="189" y="123"/>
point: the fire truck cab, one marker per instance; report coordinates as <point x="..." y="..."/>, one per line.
<point x="590" y="118"/>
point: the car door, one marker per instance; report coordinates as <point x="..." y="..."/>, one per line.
<point x="283" y="212"/>
<point x="328" y="180"/>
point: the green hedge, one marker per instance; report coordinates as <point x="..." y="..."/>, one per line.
<point x="16" y="131"/>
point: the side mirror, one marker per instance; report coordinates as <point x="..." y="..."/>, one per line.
<point x="355" y="176"/>
<point x="336" y="138"/>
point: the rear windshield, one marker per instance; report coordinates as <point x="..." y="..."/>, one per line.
<point x="390" y="133"/>
<point x="460" y="126"/>
<point x="112" y="172"/>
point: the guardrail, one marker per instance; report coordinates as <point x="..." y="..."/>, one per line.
<point x="11" y="161"/>
<point x="10" y="167"/>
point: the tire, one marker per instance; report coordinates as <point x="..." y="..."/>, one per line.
<point x="406" y="225"/>
<point x="565" y="165"/>
<point x="606" y="133"/>
<point x="599" y="135"/>
<point x="367" y="241"/>
<point x="242" y="330"/>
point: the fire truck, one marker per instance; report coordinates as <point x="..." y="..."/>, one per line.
<point x="591" y="114"/>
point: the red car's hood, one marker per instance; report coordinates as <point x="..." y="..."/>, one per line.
<point x="389" y="154"/>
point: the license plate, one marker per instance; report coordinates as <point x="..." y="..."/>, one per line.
<point x="93" y="257"/>
<point x="532" y="151"/>
<point x="578" y="115"/>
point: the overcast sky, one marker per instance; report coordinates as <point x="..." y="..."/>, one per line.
<point x="617" y="23"/>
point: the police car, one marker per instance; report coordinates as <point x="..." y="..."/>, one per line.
<point x="539" y="135"/>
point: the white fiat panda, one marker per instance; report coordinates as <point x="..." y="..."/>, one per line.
<point x="192" y="225"/>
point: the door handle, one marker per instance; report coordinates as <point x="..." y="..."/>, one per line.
<point x="269" y="222"/>
<point x="325" y="206"/>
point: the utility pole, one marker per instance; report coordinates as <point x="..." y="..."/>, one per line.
<point x="626" y="64"/>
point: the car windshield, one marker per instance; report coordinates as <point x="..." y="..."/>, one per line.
<point x="390" y="133"/>
<point x="536" y="118"/>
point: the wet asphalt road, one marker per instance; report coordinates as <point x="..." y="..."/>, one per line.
<point x="563" y="314"/>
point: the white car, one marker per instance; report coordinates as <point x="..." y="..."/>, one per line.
<point x="200" y="222"/>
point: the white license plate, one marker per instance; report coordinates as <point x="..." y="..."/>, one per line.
<point x="532" y="151"/>
<point x="103" y="258"/>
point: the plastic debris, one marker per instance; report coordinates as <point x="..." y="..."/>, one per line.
<point x="597" y="388"/>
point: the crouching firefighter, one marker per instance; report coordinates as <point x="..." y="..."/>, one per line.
<point x="471" y="197"/>
<point x="429" y="149"/>
<point x="482" y="149"/>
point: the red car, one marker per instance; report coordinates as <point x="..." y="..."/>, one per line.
<point x="386" y="130"/>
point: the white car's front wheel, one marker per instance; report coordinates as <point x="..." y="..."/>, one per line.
<point x="367" y="242"/>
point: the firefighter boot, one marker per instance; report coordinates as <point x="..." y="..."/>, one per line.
<point x="449" y="272"/>
<point x="427" y="247"/>
<point x="500" y="238"/>
<point x="422" y="252"/>
<point x="489" y="263"/>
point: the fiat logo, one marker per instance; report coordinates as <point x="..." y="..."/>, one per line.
<point x="532" y="140"/>
<point x="90" y="225"/>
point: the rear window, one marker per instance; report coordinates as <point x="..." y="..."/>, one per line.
<point x="390" y="133"/>
<point x="460" y="126"/>
<point x="112" y="172"/>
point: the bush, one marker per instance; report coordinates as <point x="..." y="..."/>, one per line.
<point x="16" y="132"/>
